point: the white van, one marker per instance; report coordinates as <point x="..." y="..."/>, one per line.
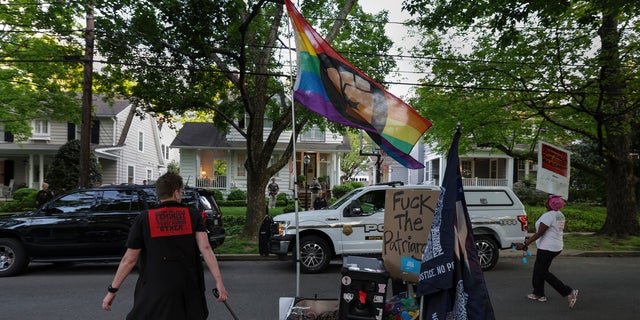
<point x="354" y="225"/>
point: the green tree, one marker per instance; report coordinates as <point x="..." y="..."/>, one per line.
<point x="352" y="162"/>
<point x="40" y="73"/>
<point x="514" y="72"/>
<point x="223" y="58"/>
<point x="64" y="171"/>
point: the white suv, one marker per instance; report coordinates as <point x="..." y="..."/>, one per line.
<point x="354" y="225"/>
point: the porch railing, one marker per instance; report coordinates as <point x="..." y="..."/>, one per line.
<point x="484" y="182"/>
<point x="217" y="182"/>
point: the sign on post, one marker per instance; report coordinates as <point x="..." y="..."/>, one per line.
<point x="554" y="168"/>
<point x="408" y="215"/>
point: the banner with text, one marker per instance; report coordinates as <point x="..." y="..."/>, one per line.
<point x="554" y="168"/>
<point x="407" y="220"/>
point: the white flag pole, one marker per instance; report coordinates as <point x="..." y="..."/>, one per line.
<point x="295" y="176"/>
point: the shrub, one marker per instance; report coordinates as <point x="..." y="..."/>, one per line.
<point x="530" y="196"/>
<point x="580" y="218"/>
<point x="24" y="199"/>
<point x="237" y="194"/>
<point x="217" y="195"/>
<point x="340" y="190"/>
<point x="282" y="199"/>
<point x="291" y="207"/>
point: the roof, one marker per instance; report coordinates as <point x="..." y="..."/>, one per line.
<point x="205" y="135"/>
<point x="200" y="135"/>
<point x="109" y="108"/>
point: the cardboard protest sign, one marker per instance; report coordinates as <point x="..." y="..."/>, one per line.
<point x="408" y="215"/>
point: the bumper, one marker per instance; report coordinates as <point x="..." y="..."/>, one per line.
<point x="217" y="239"/>
<point x="280" y="245"/>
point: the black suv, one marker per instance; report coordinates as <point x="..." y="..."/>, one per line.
<point x="89" y="225"/>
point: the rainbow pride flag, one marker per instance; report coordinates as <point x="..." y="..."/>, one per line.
<point x="329" y="85"/>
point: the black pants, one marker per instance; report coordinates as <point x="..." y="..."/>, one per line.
<point x="541" y="274"/>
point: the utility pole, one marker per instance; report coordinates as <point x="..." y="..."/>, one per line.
<point x="85" y="131"/>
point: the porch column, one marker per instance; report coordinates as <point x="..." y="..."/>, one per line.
<point x="41" y="171"/>
<point x="509" y="172"/>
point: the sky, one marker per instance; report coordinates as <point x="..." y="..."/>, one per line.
<point x="398" y="34"/>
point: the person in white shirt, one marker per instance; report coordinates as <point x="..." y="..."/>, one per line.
<point x="549" y="244"/>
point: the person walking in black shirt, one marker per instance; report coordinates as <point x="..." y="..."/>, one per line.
<point x="44" y="195"/>
<point x="273" y="192"/>
<point x="169" y="242"/>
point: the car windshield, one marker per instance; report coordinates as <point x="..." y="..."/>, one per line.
<point x="344" y="199"/>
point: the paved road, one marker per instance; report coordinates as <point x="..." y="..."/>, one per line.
<point x="608" y="286"/>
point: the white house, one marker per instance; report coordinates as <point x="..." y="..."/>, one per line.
<point x="210" y="159"/>
<point x="129" y="149"/>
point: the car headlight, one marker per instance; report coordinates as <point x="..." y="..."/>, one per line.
<point x="282" y="227"/>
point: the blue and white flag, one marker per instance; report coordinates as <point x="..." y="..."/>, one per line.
<point x="451" y="280"/>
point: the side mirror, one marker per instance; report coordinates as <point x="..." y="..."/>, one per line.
<point x="353" y="209"/>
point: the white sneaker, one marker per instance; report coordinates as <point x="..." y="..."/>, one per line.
<point x="573" y="297"/>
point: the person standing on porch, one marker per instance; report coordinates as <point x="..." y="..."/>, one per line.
<point x="273" y="192"/>
<point x="315" y="188"/>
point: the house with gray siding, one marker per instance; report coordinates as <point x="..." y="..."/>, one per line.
<point x="130" y="149"/>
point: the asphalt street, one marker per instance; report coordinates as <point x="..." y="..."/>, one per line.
<point x="608" y="290"/>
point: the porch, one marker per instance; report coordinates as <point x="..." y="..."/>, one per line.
<point x="217" y="182"/>
<point x="485" y="182"/>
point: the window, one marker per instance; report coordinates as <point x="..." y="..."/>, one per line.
<point x="487" y="198"/>
<point x="372" y="202"/>
<point x="130" y="174"/>
<point x="149" y="175"/>
<point x="314" y="134"/>
<point x="467" y="168"/>
<point x="71" y="131"/>
<point x="95" y="131"/>
<point x="41" y="129"/>
<point x="141" y="141"/>
<point x="120" y="200"/>
<point x="77" y="202"/>
<point x="242" y="157"/>
<point x="165" y="152"/>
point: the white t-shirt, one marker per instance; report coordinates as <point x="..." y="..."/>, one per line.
<point x="551" y="240"/>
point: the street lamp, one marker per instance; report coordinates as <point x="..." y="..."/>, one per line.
<point x="306" y="160"/>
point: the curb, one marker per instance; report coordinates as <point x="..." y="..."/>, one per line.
<point x="246" y="257"/>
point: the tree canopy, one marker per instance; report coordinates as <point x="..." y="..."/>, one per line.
<point x="40" y="73"/>
<point x="514" y="72"/>
<point x="228" y="59"/>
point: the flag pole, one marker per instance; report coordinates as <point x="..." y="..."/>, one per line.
<point x="295" y="176"/>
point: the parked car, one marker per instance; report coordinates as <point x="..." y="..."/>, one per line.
<point x="89" y="225"/>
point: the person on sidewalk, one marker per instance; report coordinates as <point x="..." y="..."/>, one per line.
<point x="168" y="243"/>
<point x="273" y="192"/>
<point x="320" y="202"/>
<point x="549" y="244"/>
<point x="44" y="195"/>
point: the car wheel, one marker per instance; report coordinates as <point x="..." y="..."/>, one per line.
<point x="13" y="257"/>
<point x="487" y="252"/>
<point x="315" y="254"/>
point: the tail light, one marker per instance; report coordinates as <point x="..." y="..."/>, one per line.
<point x="203" y="214"/>
<point x="524" y="223"/>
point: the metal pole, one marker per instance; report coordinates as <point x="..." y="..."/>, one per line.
<point x="295" y="172"/>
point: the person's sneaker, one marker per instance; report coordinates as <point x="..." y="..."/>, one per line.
<point x="532" y="296"/>
<point x="573" y="297"/>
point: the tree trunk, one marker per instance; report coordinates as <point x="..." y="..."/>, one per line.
<point x="622" y="213"/>
<point x="256" y="203"/>
<point x="622" y="217"/>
